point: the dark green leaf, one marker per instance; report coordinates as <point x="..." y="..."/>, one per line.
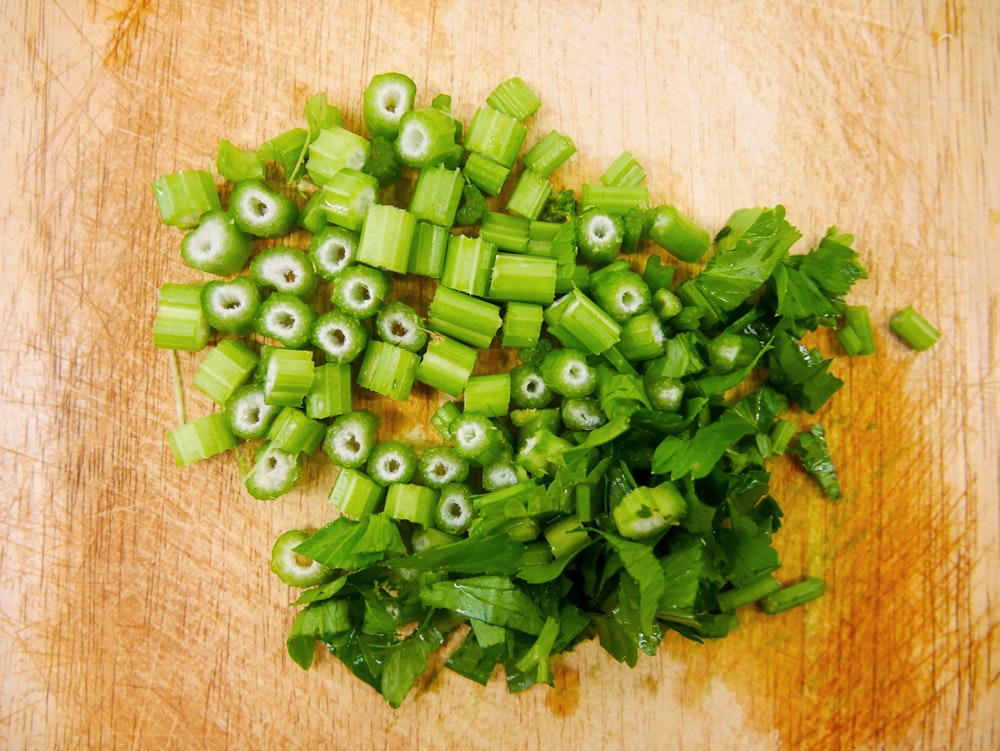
<point x="494" y="599"/>
<point x="347" y="544"/>
<point x="813" y="452"/>
<point x="800" y="373"/>
<point x="747" y="259"/>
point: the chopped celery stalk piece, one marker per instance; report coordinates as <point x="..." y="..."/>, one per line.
<point x="731" y="599"/>
<point x="236" y="165"/>
<point x="625" y="171"/>
<point x="678" y="234"/>
<point x="523" y="278"/>
<point x="614" y="199"/>
<point x="642" y="337"/>
<point x="914" y="329"/>
<point x="567" y="373"/>
<point x="430" y="243"/>
<point x="858" y="331"/>
<point x="399" y="324"/>
<point x="386" y="99"/>
<point x="350" y="438"/>
<point x="646" y="511"/>
<point x="495" y="135"/>
<point x="792" y="596"/>
<point x="200" y="439"/>
<point x="503" y="473"/>
<point x="446" y="364"/>
<point x="284" y="269"/>
<point x="442" y="418"/>
<point x="332" y="150"/>
<point x="289" y="377"/>
<point x="286" y="318"/>
<point x="505" y="231"/>
<point x="285" y="150"/>
<point x="341" y="336"/>
<point x="392" y="462"/>
<point x="528" y="389"/>
<point x="293" y="569"/>
<point x="476" y="438"/>
<point x="486" y="174"/>
<point x="182" y="197"/>
<point x="440" y="465"/>
<point x="261" y="211"/>
<point x="468" y="264"/>
<point x="330" y="393"/>
<point x="436" y="195"/>
<point x="231" y="305"/>
<point x="463" y="317"/>
<point x="515" y="98"/>
<point x="413" y="503"/>
<point x="386" y="236"/>
<point x="388" y="370"/>
<point x="347" y="196"/>
<point x="550" y="153"/>
<point x="666" y="304"/>
<point x="332" y="250"/>
<point x="454" y="512"/>
<point x="529" y="195"/>
<point x="295" y="432"/>
<point x="226" y="367"/>
<point x="488" y="394"/>
<point x="522" y="325"/>
<point x="426" y="137"/>
<point x="566" y="537"/>
<point x="728" y="352"/>
<point x="248" y="415"/>
<point x="312" y="218"/>
<point x="216" y="246"/>
<point x="355" y="494"/>
<point x="599" y="235"/>
<point x="582" y="413"/>
<point x="621" y="294"/>
<point x="180" y="322"/>
<point x="360" y="290"/>
<point x="273" y="474"/>
<point x="577" y="321"/>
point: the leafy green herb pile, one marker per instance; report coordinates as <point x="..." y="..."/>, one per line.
<point x="612" y="480"/>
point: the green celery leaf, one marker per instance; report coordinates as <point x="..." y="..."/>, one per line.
<point x="406" y="660"/>
<point x="749" y="259"/>
<point x="677" y="456"/>
<point x="746" y="549"/>
<point x="494" y="599"/>
<point x="814" y="453"/>
<point x="800" y="298"/>
<point x="322" y="592"/>
<point x="800" y="373"/>
<point x="476" y="554"/>
<point x="474" y="661"/>
<point x="644" y="567"/>
<point x="347" y="544"/>
<point x="322" y="620"/>
<point x="680" y="358"/>
<point x="762" y="407"/>
<point x="683" y="570"/>
<point x="833" y="265"/>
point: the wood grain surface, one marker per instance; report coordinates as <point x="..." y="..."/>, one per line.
<point x="136" y="605"/>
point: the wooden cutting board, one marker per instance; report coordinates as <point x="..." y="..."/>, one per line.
<point x="136" y="605"/>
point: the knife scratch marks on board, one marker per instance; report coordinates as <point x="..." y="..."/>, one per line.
<point x="129" y="24"/>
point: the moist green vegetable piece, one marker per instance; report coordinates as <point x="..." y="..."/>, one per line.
<point x="603" y="483"/>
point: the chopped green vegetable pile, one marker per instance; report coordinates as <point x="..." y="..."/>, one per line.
<point x="603" y="472"/>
